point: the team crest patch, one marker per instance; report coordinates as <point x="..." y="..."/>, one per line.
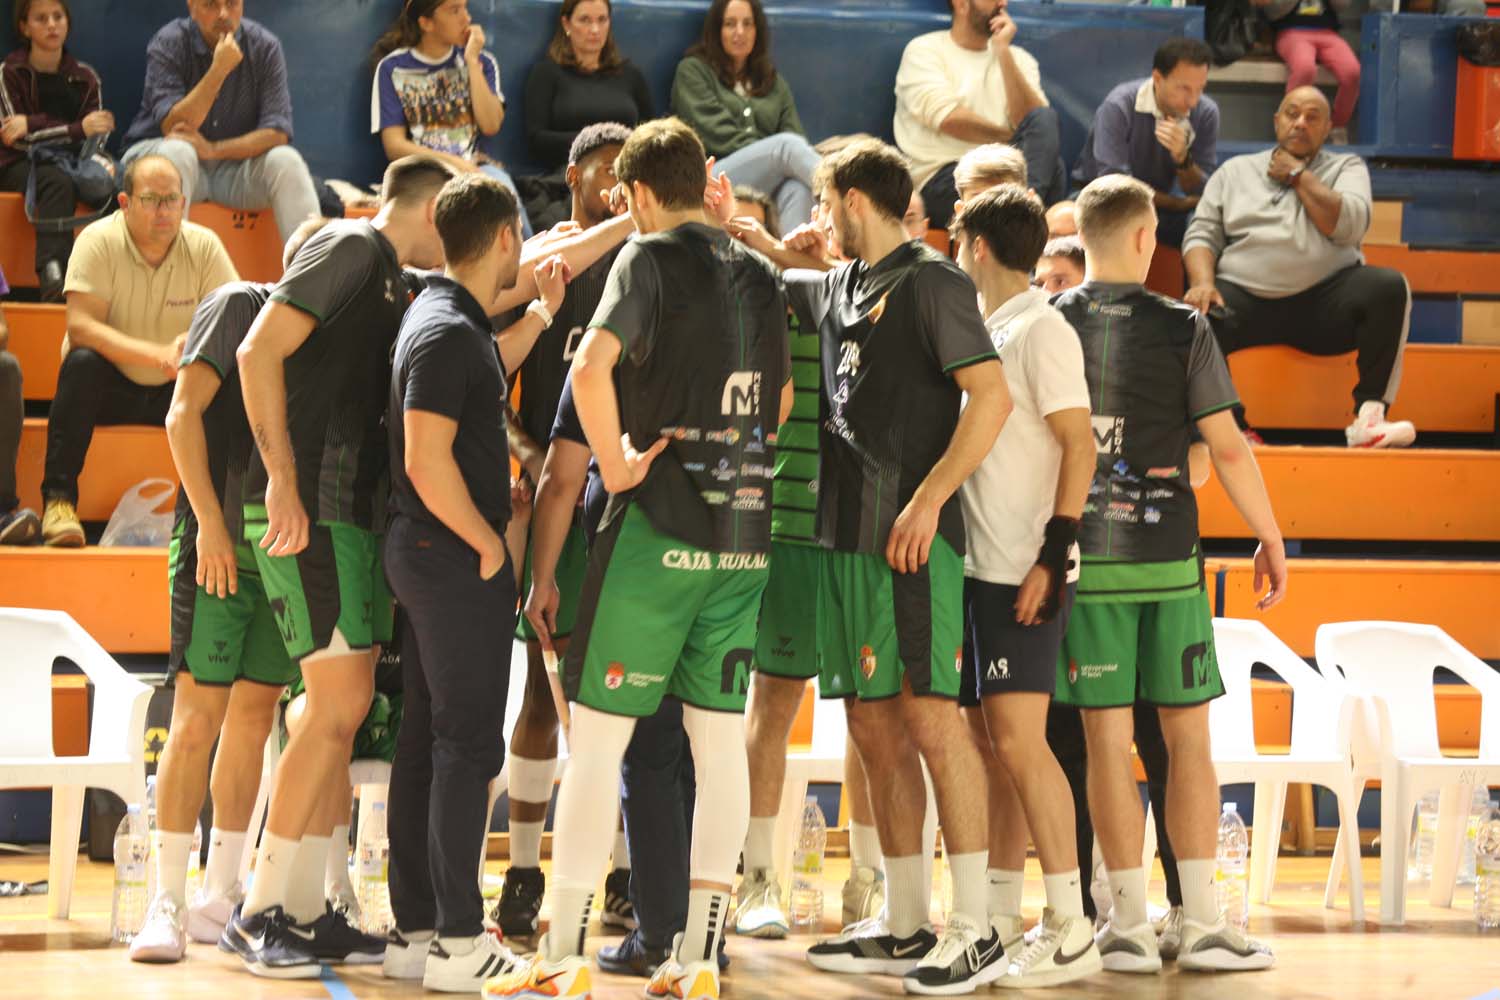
<point x="958" y="660"/>
<point x="614" y="676"/>
<point x="867" y="661"/>
<point x="1072" y="671"/>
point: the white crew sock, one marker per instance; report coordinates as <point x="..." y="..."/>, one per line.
<point x="864" y="846"/>
<point x="621" y="852"/>
<point x="526" y="843"/>
<point x="225" y="848"/>
<point x="760" y="843"/>
<point x="707" y="909"/>
<point x="1064" y="893"/>
<point x="1005" y="892"/>
<point x="172" y="850"/>
<point x="1128" y="889"/>
<point x="970" y="887"/>
<point x="907" y="894"/>
<point x="273" y="873"/>
<point x="336" y="881"/>
<point x="1199" y="902"/>
<point x="570" y="921"/>
<point x="304" y="891"/>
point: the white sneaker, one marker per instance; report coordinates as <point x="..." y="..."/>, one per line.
<point x="1371" y="430"/>
<point x="1169" y="934"/>
<point x="534" y="976"/>
<point x="864" y="895"/>
<point x="406" y="954"/>
<point x="1128" y="949"/>
<point x="966" y="957"/>
<point x="1012" y="931"/>
<point x="1221" y="948"/>
<point x="1104" y="902"/>
<point x="673" y="980"/>
<point x="207" y="915"/>
<point x="1062" y="952"/>
<point x="759" y="913"/>
<point x="161" y="938"/>
<point x="465" y="966"/>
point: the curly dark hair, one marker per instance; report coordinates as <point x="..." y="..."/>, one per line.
<point x="759" y="75"/>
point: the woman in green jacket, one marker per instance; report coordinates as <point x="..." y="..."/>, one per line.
<point x="728" y="90"/>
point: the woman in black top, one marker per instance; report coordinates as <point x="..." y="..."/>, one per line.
<point x="582" y="81"/>
<point x="47" y="96"/>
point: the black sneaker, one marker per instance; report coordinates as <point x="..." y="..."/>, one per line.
<point x="339" y="942"/>
<point x="270" y="944"/>
<point x="632" y="956"/>
<point x="20" y="527"/>
<point x="870" y="947"/>
<point x="617" y="909"/>
<point x="961" y="962"/>
<point x="520" y="904"/>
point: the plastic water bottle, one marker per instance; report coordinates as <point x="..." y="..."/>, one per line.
<point x="1423" y="839"/>
<point x="807" y="869"/>
<point x="127" y="912"/>
<point x="1478" y="810"/>
<point x="374" y="859"/>
<point x="1231" y="878"/>
<point x="1487" y="872"/>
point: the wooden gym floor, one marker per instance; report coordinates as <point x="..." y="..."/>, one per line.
<point x="1437" y="955"/>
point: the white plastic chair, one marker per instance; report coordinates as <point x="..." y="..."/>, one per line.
<point x="1389" y="665"/>
<point x="30" y="641"/>
<point x="1319" y="753"/>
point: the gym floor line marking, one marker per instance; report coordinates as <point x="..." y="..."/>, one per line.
<point x="336" y="987"/>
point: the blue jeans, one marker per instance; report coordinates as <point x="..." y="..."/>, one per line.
<point x="1039" y="139"/>
<point x="657" y="788"/>
<point x="782" y="166"/>
<point x="504" y="178"/>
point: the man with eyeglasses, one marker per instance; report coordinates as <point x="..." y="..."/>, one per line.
<point x="133" y="282"/>
<point x="216" y="104"/>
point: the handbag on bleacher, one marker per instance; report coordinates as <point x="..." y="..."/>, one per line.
<point x="94" y="174"/>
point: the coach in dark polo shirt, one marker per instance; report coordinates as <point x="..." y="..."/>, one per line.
<point x="446" y="561"/>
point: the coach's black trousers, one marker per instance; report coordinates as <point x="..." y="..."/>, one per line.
<point x="657" y="789"/>
<point x="455" y="665"/>
<point x="92" y="392"/>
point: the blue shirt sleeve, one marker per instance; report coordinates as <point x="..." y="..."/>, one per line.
<point x="275" y="97"/>
<point x="1205" y="151"/>
<point x="387" y="102"/>
<point x="492" y="73"/>
<point x="167" y="73"/>
<point x="1112" y="139"/>
<point x="566" y="426"/>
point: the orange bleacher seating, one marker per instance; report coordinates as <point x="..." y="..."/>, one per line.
<point x="119" y="457"/>
<point x="1454" y="272"/>
<point x="119" y="595"/>
<point x="17" y="242"/>
<point x="1444" y="387"/>
<point x="253" y="242"/>
<point x="36" y="334"/>
<point x="1424" y="494"/>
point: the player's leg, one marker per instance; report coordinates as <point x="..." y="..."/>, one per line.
<point x="1009" y="836"/>
<point x="532" y="765"/>
<point x="864" y="892"/>
<point x="1152" y="750"/>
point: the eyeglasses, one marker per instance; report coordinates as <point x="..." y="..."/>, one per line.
<point x="157" y="202"/>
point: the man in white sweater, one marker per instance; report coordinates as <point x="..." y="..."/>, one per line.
<point x="1273" y="257"/>
<point x="967" y="86"/>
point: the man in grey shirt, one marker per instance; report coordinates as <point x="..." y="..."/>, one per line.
<point x="1273" y="257"/>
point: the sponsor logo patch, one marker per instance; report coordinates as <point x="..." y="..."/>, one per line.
<point x="614" y="676"/>
<point x="741" y="396"/>
<point x="1109" y="434"/>
<point x="867" y="662"/>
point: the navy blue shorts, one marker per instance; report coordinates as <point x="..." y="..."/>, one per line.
<point x="1002" y="656"/>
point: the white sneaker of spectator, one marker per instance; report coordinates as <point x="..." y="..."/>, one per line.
<point x="1371" y="430"/>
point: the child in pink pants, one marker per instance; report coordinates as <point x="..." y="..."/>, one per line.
<point x="1307" y="36"/>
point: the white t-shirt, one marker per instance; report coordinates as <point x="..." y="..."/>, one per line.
<point x="1011" y="496"/>
<point x="937" y="75"/>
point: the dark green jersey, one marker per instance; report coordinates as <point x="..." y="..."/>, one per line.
<point x="891" y="337"/>
<point x="1153" y="369"/>
<point x="794" y="493"/>
<point x="702" y="326"/>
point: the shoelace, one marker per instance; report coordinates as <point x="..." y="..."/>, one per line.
<point x="167" y="906"/>
<point x="1037" y="948"/>
<point x="950" y="946"/>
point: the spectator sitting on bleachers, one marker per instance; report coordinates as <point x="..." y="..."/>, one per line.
<point x="437" y="88"/>
<point x="916" y="221"/>
<point x="1160" y="130"/>
<point x="47" y="96"/>
<point x="18" y="525"/>
<point x="133" y="283"/>
<point x="1273" y="257"/>
<point x="1307" y="35"/>
<point x="216" y="104"/>
<point x="985" y="167"/>
<point x="753" y="203"/>
<point x="728" y="90"/>
<point x="581" y="81"/>
<point x="1062" y="220"/>
<point x="1061" y="265"/>
<point x="969" y="85"/>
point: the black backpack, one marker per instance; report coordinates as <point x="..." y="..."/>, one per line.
<point x="1231" y="28"/>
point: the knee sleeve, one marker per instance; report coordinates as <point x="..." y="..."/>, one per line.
<point x="588" y="805"/>
<point x="531" y="780"/>
<point x="722" y="813"/>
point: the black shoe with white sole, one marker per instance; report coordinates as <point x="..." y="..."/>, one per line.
<point x="337" y="941"/>
<point x="961" y="962"/>
<point x="870" y="947"/>
<point x="270" y="944"/>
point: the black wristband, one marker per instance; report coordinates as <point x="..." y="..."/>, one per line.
<point x="1057" y="541"/>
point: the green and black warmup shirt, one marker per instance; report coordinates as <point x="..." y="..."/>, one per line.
<point x="794" y="493"/>
<point x="348" y="279"/>
<point x="1153" y="370"/>
<point x="891" y="335"/>
<point x="702" y="327"/>
<point x="219" y="326"/>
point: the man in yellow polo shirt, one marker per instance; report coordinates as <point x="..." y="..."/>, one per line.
<point x="133" y="282"/>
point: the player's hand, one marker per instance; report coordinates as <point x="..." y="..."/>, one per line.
<point x="1032" y="595"/>
<point x="551" y="282"/>
<point x="521" y="495"/>
<point x="492" y="558"/>
<point x="287" y="524"/>
<point x="750" y="232"/>
<point x="541" y="609"/>
<point x="169" y="356"/>
<point x="203" y="148"/>
<point x="718" y="197"/>
<point x="1173" y="137"/>
<point x="13" y="129"/>
<point x="911" y="537"/>
<point x="217" y="572"/>
<point x="227" y="54"/>
<point x="1002" y="31"/>
<point x="808" y="238"/>
<point x="637" y="464"/>
<point x="98" y="123"/>
<point x="614" y="199"/>
<point x="1203" y="298"/>
<point x="1270" y="564"/>
<point x="474" y="44"/>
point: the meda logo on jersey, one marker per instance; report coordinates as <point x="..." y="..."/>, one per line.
<point x="867" y="662"/>
<point x="1109" y="434"/>
<point x="999" y="670"/>
<point x="741" y="397"/>
<point x="614" y="675"/>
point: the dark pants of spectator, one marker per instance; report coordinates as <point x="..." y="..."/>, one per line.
<point x="91" y="392"/>
<point x="1065" y="737"/>
<point x="1039" y="139"/>
<point x="1171" y="227"/>
<point x="455" y="668"/>
<point x="1363" y="309"/>
<point x="657" y="789"/>
<point x="55" y="199"/>
<point x="12" y="413"/>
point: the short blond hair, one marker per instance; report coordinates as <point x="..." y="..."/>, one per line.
<point x="1111" y="204"/>
<point x="990" y="165"/>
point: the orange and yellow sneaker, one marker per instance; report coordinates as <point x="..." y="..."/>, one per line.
<point x="693" y="981"/>
<point x="535" y="978"/>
